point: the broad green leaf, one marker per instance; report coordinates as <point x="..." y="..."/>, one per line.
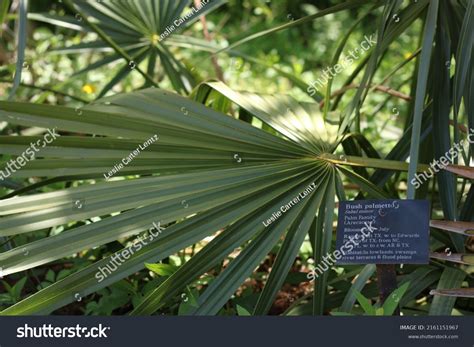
<point x="393" y="300"/>
<point x="425" y="57"/>
<point x="443" y="305"/>
<point x="365" y="304"/>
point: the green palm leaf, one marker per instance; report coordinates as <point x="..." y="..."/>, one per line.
<point x="124" y="26"/>
<point x="237" y="173"/>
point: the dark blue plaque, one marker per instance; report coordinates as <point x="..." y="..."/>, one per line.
<point x="383" y="232"/>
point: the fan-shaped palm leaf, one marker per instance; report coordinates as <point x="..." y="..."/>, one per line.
<point x="140" y="31"/>
<point x="212" y="173"/>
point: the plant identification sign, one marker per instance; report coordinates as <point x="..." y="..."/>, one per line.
<point x="383" y="232"/>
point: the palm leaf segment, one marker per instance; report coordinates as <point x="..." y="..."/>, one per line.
<point x="215" y="174"/>
<point x="146" y="32"/>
